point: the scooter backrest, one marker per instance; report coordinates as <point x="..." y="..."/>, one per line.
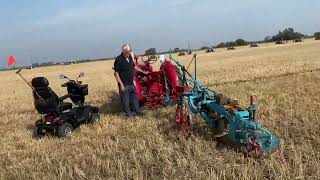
<point x="40" y="82"/>
<point x="50" y="100"/>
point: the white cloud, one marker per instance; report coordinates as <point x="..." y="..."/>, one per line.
<point x="175" y="3"/>
<point x="95" y="12"/>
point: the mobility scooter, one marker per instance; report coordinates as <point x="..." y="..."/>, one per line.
<point x="59" y="117"/>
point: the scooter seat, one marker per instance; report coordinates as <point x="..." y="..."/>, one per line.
<point x="65" y="106"/>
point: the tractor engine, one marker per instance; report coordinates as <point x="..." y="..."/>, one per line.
<point x="157" y="87"/>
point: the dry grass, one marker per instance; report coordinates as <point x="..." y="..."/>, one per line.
<point x="147" y="148"/>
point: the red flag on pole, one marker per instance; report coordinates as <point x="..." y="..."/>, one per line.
<point x="11" y="60"/>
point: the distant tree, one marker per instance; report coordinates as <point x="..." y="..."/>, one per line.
<point x="230" y="44"/>
<point x="204" y="48"/>
<point x="238" y="42"/>
<point x="287" y="34"/>
<point x="317" y="35"/>
<point x="267" y="39"/>
<point x="241" y="42"/>
<point x="151" y="51"/>
<point x="220" y="45"/>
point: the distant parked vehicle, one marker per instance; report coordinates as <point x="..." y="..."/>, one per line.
<point x="209" y="50"/>
<point x="181" y="53"/>
<point x="279" y="42"/>
<point x="297" y="40"/>
<point x="253" y="45"/>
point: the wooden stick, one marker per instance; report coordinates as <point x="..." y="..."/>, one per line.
<point x="18" y="72"/>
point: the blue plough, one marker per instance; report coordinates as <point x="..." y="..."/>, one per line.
<point x="222" y="114"/>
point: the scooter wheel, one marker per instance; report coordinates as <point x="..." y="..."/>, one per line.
<point x="94" y="118"/>
<point x="65" y="130"/>
<point x="37" y="134"/>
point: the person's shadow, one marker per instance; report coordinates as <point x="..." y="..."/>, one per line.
<point x="113" y="105"/>
<point x="170" y="132"/>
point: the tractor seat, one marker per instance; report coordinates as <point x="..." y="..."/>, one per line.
<point x="49" y="101"/>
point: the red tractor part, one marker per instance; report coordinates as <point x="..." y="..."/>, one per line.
<point x="157" y="87"/>
<point x="138" y="88"/>
<point x="147" y="63"/>
<point x="183" y="120"/>
<point x="171" y="74"/>
<point x="146" y="67"/>
<point x="253" y="148"/>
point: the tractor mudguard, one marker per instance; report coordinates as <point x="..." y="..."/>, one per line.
<point x="171" y="74"/>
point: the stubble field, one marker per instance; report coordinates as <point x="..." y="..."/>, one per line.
<point x="285" y="78"/>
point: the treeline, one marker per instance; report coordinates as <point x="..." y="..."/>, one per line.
<point x="153" y="51"/>
<point x="238" y="42"/>
<point x="285" y="35"/>
<point x="67" y="62"/>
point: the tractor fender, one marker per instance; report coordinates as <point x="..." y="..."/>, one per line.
<point x="171" y="74"/>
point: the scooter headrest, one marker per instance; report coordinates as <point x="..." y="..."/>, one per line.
<point x="40" y="82"/>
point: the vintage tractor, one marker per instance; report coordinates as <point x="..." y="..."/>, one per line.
<point x="158" y="88"/>
<point x="222" y="114"/>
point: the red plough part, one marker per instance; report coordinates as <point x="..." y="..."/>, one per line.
<point x="183" y="119"/>
<point x="253" y="147"/>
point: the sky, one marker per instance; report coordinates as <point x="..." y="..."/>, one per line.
<point x="60" y="30"/>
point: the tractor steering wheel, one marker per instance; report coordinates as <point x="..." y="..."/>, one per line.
<point x="151" y="59"/>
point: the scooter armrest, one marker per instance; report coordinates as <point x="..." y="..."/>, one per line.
<point x="64" y="97"/>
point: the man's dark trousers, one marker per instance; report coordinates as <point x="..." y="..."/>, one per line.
<point x="130" y="97"/>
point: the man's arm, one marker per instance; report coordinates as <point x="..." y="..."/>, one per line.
<point x="140" y="70"/>
<point x="116" y="75"/>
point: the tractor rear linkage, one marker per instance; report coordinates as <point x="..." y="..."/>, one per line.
<point x="222" y="114"/>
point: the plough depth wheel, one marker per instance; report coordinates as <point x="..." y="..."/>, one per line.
<point x="253" y="148"/>
<point x="183" y="119"/>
